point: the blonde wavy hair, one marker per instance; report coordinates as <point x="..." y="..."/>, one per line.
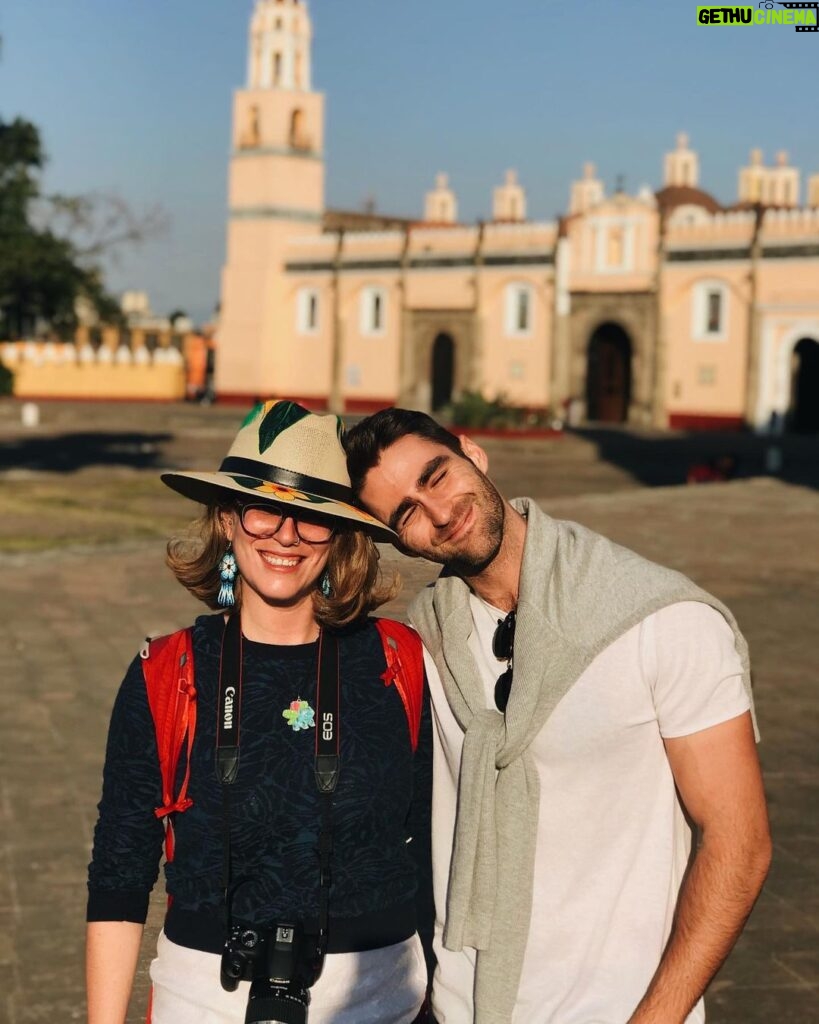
<point x="357" y="586"/>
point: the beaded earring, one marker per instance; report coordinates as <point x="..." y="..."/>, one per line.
<point x="324" y="583"/>
<point x="227" y="573"/>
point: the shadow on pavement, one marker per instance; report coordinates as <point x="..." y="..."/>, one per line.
<point x="666" y="460"/>
<point x="65" y="453"/>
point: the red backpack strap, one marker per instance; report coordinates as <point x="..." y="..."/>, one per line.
<point x="167" y="665"/>
<point x="405" y="667"/>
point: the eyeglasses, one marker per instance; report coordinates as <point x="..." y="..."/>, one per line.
<point x="503" y="642"/>
<point x="263" y="521"/>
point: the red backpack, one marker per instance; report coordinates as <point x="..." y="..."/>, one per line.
<point x="168" y="669"/>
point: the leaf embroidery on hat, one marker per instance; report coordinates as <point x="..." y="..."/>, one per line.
<point x="278" y="417"/>
<point x="359" y="512"/>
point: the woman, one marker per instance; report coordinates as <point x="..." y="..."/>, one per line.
<point x="315" y="891"/>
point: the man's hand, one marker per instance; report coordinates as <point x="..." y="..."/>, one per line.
<point x="719" y="781"/>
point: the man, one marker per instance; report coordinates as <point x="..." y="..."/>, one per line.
<point x="589" y="704"/>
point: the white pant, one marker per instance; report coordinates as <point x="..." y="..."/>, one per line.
<point x="380" y="986"/>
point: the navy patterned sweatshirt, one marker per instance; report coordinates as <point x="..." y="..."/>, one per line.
<point x="381" y="875"/>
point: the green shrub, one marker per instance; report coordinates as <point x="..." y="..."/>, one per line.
<point x="6" y="380"/>
<point x="473" y="410"/>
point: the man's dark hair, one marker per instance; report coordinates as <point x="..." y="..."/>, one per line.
<point x="365" y="442"/>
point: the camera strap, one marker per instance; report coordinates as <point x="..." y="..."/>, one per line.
<point x="326" y="771"/>
<point x="326" y="765"/>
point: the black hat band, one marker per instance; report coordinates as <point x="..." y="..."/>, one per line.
<point x="287" y="478"/>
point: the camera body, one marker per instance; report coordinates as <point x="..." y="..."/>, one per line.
<point x="280" y="965"/>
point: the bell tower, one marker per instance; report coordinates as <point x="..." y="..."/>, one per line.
<point x="275" y="192"/>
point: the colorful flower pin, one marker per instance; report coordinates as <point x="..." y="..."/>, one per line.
<point x="299" y="715"/>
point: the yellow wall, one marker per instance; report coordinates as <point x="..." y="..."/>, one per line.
<point x="160" y="383"/>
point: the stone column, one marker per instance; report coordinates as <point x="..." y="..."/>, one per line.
<point x="474" y="374"/>
<point x="335" y="400"/>
<point x="752" y="379"/>
<point x="659" y="413"/>
<point x="406" y="360"/>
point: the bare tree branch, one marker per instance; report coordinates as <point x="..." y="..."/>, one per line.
<point x="99" y="224"/>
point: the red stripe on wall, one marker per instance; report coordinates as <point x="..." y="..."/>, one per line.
<point x="704" y="421"/>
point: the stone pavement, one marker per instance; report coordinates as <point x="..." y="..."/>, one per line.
<point x="73" y="619"/>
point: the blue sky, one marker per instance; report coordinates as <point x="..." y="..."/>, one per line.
<point x="133" y="97"/>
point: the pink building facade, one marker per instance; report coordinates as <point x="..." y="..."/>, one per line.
<point x="661" y="309"/>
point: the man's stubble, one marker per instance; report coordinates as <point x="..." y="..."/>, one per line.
<point x="482" y="544"/>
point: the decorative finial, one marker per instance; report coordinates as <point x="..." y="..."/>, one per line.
<point x="682" y="140"/>
<point x="589" y="171"/>
<point x="441" y="180"/>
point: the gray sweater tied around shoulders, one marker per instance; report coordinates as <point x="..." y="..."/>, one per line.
<point x="579" y="592"/>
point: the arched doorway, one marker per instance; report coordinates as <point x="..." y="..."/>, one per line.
<point x="443" y="371"/>
<point x="608" y="375"/>
<point x="804" y="416"/>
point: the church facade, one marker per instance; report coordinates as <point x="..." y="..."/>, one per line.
<point x="661" y="309"/>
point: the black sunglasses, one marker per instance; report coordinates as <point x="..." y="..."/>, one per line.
<point x="264" y="519"/>
<point x="503" y="642"/>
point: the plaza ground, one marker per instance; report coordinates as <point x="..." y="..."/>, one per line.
<point x="82" y="525"/>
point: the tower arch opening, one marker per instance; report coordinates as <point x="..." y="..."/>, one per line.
<point x="298" y="131"/>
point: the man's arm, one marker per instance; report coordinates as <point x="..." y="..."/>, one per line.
<point x="717" y="775"/>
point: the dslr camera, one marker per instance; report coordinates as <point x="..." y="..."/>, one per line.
<point x="280" y="964"/>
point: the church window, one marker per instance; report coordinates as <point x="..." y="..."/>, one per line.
<point x="710" y="311"/>
<point x="614" y="244"/>
<point x="713" y="313"/>
<point x="518" y="311"/>
<point x="277" y="68"/>
<point x="373" y="311"/>
<point x="307" y="311"/>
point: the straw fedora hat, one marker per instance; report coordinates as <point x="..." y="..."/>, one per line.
<point x="289" y="456"/>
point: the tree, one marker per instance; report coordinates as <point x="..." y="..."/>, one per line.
<point x="49" y="244"/>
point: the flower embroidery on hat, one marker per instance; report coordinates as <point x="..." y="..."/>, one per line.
<point x="281" y="492"/>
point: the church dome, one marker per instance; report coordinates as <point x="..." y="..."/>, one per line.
<point x="672" y="196"/>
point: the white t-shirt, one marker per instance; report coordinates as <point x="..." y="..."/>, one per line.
<point x="612" y="842"/>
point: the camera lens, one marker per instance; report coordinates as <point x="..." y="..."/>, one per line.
<point x="270" y="1004"/>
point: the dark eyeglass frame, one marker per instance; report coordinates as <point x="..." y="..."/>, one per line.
<point x="283" y="512"/>
<point x="503" y="644"/>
